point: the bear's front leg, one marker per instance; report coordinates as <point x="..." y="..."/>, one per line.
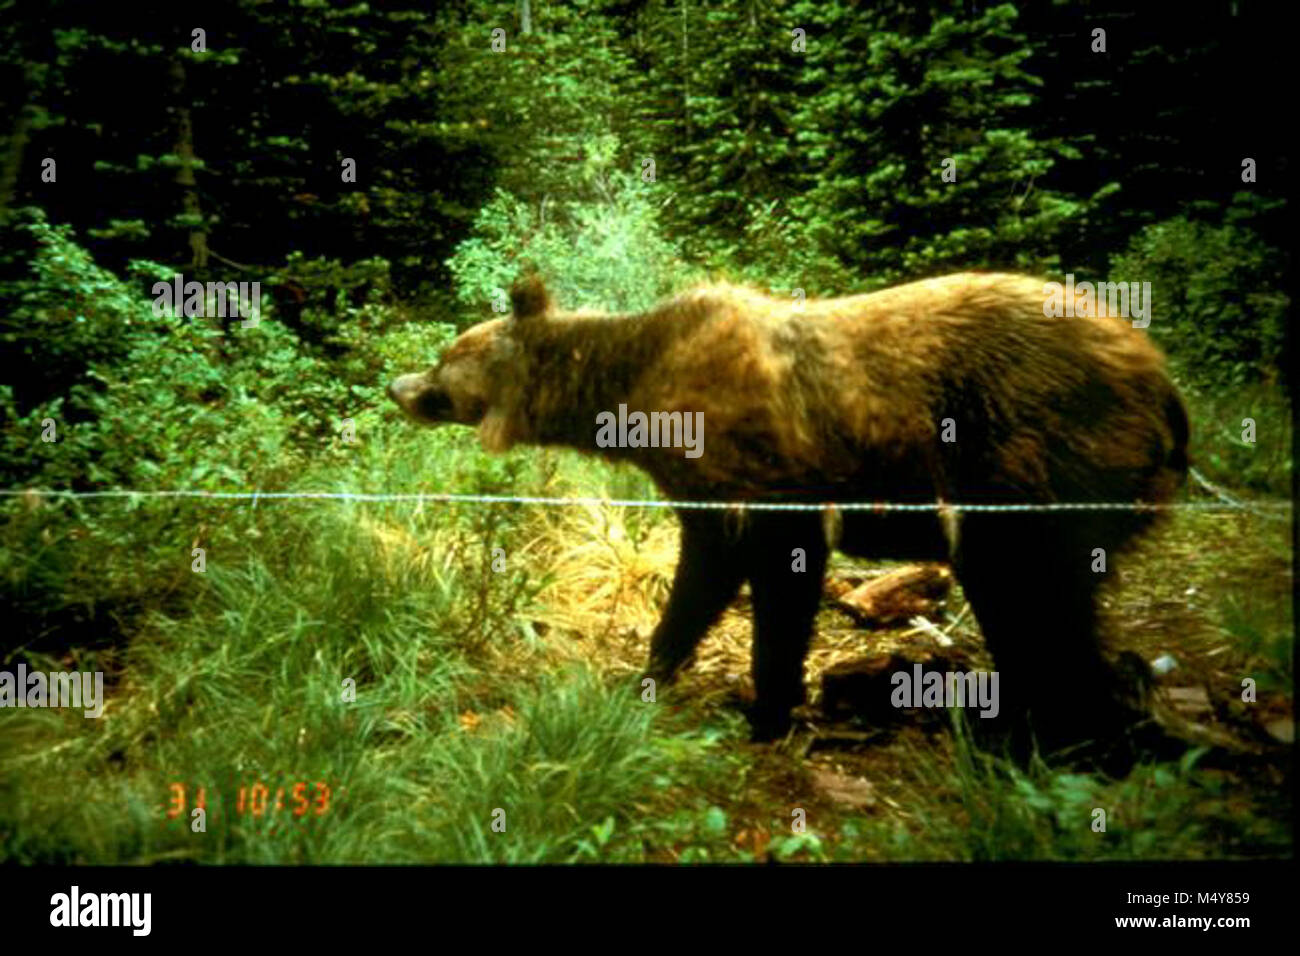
<point x="709" y="573"/>
<point x="787" y="562"/>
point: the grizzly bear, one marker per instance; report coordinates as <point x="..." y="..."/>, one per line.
<point x="956" y="390"/>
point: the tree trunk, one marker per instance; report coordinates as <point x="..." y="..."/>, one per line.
<point x="13" y="156"/>
<point x="185" y="172"/>
<point x="686" y="78"/>
<point x="24" y="93"/>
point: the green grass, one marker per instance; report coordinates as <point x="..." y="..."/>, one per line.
<point x="1219" y="448"/>
<point x="1159" y="811"/>
<point x="240" y="681"/>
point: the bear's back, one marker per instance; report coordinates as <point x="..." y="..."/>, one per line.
<point x="862" y="383"/>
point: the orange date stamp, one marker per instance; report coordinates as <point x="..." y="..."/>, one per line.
<point x="296" y="801"/>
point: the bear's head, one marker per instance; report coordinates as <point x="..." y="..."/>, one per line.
<point x="478" y="378"/>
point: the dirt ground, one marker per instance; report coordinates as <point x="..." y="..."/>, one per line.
<point x="1173" y="601"/>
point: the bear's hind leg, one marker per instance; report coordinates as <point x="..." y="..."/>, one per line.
<point x="1030" y="581"/>
<point x="787" y="589"/>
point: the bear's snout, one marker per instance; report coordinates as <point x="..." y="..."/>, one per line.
<point x="415" y="396"/>
<point x="403" y="388"/>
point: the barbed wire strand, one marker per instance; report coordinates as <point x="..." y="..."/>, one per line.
<point x="1232" y="500"/>
<point x="1224" y="504"/>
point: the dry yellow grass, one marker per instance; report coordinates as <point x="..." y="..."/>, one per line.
<point x="607" y="586"/>
<point x="609" y="590"/>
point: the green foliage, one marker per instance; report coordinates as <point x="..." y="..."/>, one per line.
<point x="1220" y="305"/>
<point x="147" y="400"/>
<point x="780" y="258"/>
<point x="1218" y="417"/>
<point x="331" y="293"/>
<point x="1159" y="811"/>
<point x="239" y="680"/>
<point x="900" y="100"/>
<point x="721" y="123"/>
<point x="64" y="314"/>
<point x="1253" y="623"/>
<point x="606" y="251"/>
<point x="553" y="99"/>
<point x="822" y="168"/>
<point x="160" y="401"/>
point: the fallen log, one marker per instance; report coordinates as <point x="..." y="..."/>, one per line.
<point x="899" y="596"/>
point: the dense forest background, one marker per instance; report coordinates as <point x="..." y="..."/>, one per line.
<point x="384" y="170"/>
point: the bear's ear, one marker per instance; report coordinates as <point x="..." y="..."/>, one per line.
<point x="528" y="296"/>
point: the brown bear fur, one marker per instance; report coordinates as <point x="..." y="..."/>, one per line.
<point x="845" y="400"/>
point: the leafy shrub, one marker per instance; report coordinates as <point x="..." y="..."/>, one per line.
<point x="1219" y="301"/>
<point x="1217" y="424"/>
<point x="777" y="254"/>
<point x="607" y="252"/>
<point x="63" y="313"/>
<point x="151" y="401"/>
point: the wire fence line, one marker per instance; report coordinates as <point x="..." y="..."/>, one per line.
<point x="1214" y="489"/>
<point x="1266" y="508"/>
<point x="1256" y="507"/>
